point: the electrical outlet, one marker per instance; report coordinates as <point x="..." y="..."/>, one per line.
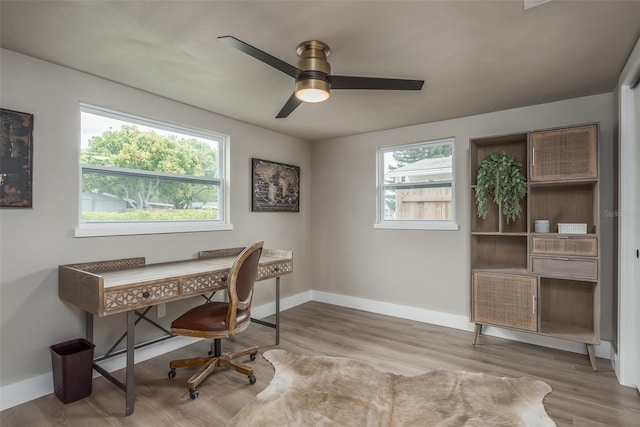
<point x="161" y="310"/>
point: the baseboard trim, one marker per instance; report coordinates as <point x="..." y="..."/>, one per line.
<point x="456" y="321"/>
<point x="615" y="363"/>
<point x="269" y="309"/>
<point x="32" y="388"/>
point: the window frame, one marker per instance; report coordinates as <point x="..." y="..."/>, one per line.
<point x="418" y="224"/>
<point x="94" y="229"/>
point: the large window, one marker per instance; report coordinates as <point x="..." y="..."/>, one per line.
<point x="415" y="186"/>
<point x="141" y="176"/>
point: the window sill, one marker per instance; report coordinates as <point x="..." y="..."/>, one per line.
<point x="129" y="229"/>
<point x="417" y="225"/>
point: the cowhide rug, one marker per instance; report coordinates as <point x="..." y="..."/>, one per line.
<point x="334" y="391"/>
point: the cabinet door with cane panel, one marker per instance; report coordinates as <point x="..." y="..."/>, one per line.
<point x="505" y="300"/>
<point x="564" y="154"/>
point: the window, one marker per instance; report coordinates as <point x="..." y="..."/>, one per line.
<point x="415" y="186"/>
<point x="139" y="176"/>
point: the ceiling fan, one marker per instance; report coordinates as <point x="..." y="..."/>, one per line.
<point x="314" y="80"/>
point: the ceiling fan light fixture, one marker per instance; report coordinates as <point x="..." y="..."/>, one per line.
<point x="312" y="90"/>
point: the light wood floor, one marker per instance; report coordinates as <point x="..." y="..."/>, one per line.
<point x="580" y="396"/>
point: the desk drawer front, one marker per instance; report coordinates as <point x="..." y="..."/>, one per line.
<point x="139" y="296"/>
<point x="274" y="270"/>
<point x="569" y="267"/>
<point x="195" y="285"/>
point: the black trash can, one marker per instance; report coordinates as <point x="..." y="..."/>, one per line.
<point x="72" y="363"/>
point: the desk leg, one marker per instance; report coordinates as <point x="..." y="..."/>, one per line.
<point x="88" y="321"/>
<point x="276" y="325"/>
<point x="131" y="343"/>
<point x="277" y="310"/>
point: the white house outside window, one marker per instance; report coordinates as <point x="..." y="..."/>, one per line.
<point x="416" y="186"/>
<point x="140" y="176"/>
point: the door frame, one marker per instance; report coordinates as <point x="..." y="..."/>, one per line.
<point x="627" y="364"/>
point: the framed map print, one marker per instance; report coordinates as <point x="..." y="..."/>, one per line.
<point x="275" y="187"/>
<point x="16" y="159"/>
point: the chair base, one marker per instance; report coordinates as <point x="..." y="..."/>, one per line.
<point x="209" y="363"/>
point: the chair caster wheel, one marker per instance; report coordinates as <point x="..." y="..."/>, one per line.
<point x="193" y="393"/>
<point x="252" y="379"/>
<point x="172" y="373"/>
<point x="252" y="356"/>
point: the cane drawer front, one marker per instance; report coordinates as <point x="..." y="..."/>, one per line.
<point x="564" y="154"/>
<point x="581" y="268"/>
<point x="505" y="300"/>
<point x="129" y="298"/>
<point x="564" y="245"/>
<point x="201" y="283"/>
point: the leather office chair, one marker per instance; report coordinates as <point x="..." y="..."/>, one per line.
<point x="221" y="320"/>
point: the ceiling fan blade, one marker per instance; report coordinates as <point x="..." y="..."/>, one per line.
<point x="260" y="55"/>
<point x="353" y="82"/>
<point x="291" y="104"/>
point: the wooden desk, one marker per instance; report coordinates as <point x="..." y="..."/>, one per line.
<point x="127" y="285"/>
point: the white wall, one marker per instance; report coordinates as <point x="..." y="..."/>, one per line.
<point x="35" y="241"/>
<point x="429" y="269"/>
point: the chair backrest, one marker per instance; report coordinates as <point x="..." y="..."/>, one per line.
<point x="242" y="278"/>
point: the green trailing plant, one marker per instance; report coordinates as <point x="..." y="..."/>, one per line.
<point x="500" y="177"/>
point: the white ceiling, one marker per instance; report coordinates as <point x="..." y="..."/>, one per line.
<point x="475" y="56"/>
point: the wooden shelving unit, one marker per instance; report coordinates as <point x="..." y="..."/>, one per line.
<point x="545" y="283"/>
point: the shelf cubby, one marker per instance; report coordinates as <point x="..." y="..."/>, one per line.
<point x="499" y="252"/>
<point x="490" y="224"/>
<point x="564" y="203"/>
<point x="567" y="308"/>
<point x="514" y="145"/>
<point x="520" y="224"/>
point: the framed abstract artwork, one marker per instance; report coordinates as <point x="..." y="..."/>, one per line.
<point x="16" y="159"/>
<point x="275" y="187"/>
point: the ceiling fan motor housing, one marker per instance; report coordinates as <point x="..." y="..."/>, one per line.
<point x="313" y="60"/>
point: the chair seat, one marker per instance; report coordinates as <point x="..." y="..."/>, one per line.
<point x="208" y="319"/>
<point x="219" y="320"/>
